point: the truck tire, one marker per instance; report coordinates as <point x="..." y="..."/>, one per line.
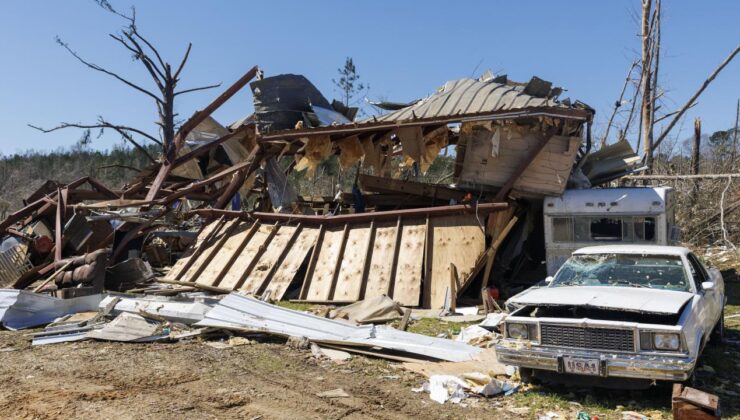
<point x="718" y="333"/>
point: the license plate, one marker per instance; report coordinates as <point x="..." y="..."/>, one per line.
<point x="581" y="366"/>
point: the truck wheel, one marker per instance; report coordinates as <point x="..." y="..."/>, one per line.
<point x="526" y="375"/>
<point x="718" y="333"/>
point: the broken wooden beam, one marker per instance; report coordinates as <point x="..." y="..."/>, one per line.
<point x="390" y="185"/>
<point x="357" y="217"/>
<point x="190" y="124"/>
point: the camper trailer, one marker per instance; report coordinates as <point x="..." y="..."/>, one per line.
<point x="601" y="216"/>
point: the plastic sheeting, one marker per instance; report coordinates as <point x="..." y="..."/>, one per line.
<point x="23" y="309"/>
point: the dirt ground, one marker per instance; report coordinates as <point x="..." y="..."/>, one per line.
<point x="194" y="380"/>
<point x="270" y="380"/>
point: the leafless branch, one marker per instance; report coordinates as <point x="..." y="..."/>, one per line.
<point x="659" y="119"/>
<point x="184" y="60"/>
<point x="693" y="99"/>
<point x="197" y="89"/>
<point x="151" y="47"/>
<point x="618" y="103"/>
<point x="102" y="124"/>
<point x="116" y="165"/>
<point x="139" y="54"/>
<point x="108" y="72"/>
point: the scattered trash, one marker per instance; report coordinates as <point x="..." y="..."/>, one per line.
<point x="128" y="327"/>
<point x="550" y="415"/>
<point x="447" y="387"/>
<point x="476" y="336"/>
<point x="582" y="415"/>
<point x="337" y="356"/>
<point x="493" y="320"/>
<point x="375" y="310"/>
<point x="626" y="415"/>
<point x="334" y="393"/>
<point x="470" y="310"/>
<point x="233" y="341"/>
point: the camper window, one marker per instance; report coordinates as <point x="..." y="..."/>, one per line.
<point x="603" y="229"/>
<point x="562" y="229"/>
<point x="644" y="228"/>
<point x="606" y="229"/>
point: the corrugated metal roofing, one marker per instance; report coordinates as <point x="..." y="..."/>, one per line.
<point x="471" y="96"/>
<point x="242" y="312"/>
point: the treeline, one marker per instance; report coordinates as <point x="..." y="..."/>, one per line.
<point x="21" y="174"/>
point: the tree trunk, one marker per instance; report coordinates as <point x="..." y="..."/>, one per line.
<point x="168" y="116"/>
<point x="696" y="146"/>
<point x="646" y="112"/>
<point x="734" y="137"/>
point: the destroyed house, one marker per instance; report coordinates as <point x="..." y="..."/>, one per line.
<point x="424" y="244"/>
<point x="514" y="144"/>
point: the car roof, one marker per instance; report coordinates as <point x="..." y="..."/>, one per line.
<point x="634" y="249"/>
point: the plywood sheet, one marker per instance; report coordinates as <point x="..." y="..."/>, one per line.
<point x="454" y="239"/>
<point x="183" y="261"/>
<point x="210" y="250"/>
<point x="293" y="260"/>
<point x="546" y="175"/>
<point x="326" y="263"/>
<point x="349" y="280"/>
<point x="233" y="245"/>
<point x="269" y="258"/>
<point x="233" y="276"/>
<point x="381" y="263"/>
<point x="407" y="288"/>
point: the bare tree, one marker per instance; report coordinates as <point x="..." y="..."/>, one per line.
<point x="646" y="115"/>
<point x="162" y="73"/>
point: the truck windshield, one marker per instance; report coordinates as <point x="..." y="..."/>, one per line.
<point x="623" y="270"/>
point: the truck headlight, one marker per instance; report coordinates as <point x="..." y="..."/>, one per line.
<point x="518" y="331"/>
<point x="666" y="341"/>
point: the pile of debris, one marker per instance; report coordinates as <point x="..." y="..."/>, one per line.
<point x="170" y="229"/>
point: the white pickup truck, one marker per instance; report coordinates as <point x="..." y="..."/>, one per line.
<point x="621" y="311"/>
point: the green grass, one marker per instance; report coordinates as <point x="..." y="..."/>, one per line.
<point x="296" y="306"/>
<point x="435" y="327"/>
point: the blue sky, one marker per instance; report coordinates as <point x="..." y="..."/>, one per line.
<point x="403" y="49"/>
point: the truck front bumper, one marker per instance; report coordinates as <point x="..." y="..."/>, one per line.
<point x="623" y="365"/>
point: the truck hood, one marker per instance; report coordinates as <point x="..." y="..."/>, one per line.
<point x="620" y="298"/>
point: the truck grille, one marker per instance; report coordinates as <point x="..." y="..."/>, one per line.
<point x="588" y="338"/>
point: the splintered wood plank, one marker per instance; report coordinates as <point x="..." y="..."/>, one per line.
<point x="183" y="262"/>
<point x="326" y="264"/>
<point x="234" y="275"/>
<point x="381" y="261"/>
<point x="268" y="259"/>
<point x="407" y="289"/>
<point x="226" y="256"/>
<point x="293" y="260"/>
<point x="210" y="250"/>
<point x="455" y="239"/>
<point x="349" y="279"/>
